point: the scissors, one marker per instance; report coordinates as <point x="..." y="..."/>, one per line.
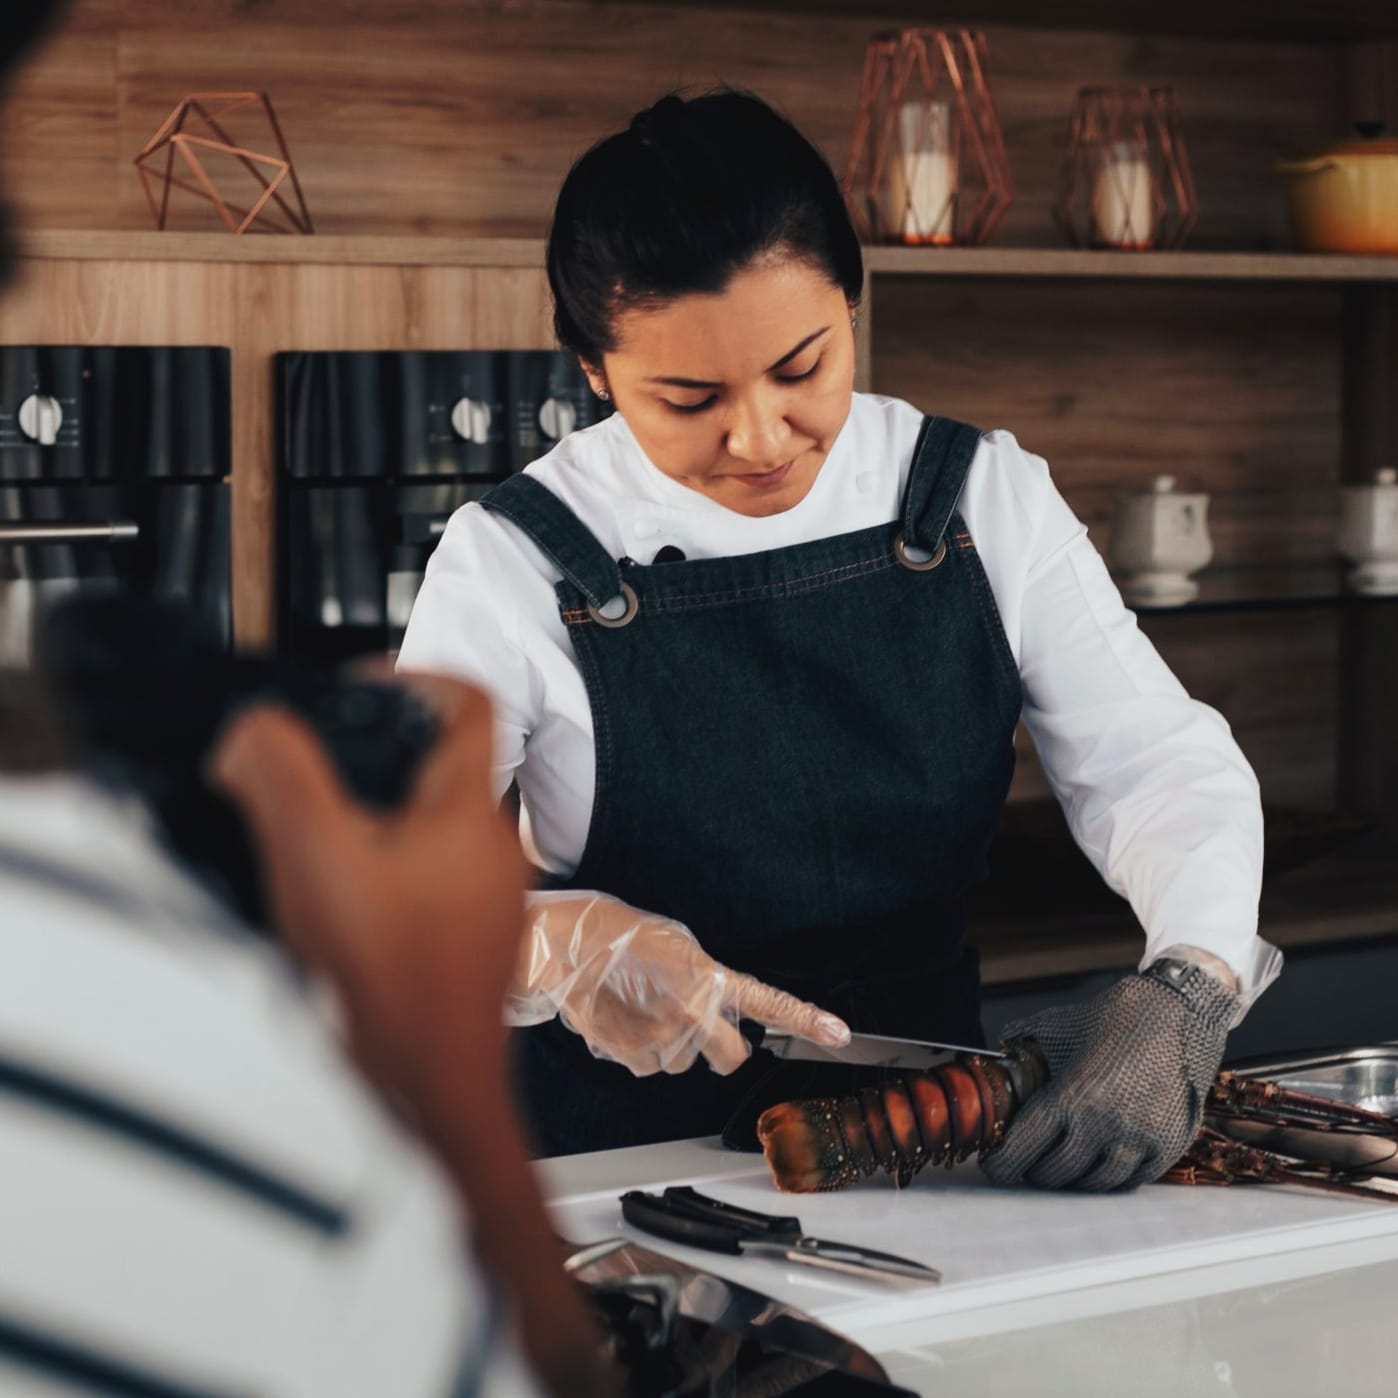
<point x="683" y="1215"/>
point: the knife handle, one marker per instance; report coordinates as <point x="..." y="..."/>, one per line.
<point x="754" y="1224"/>
<point x="651" y="1214"/>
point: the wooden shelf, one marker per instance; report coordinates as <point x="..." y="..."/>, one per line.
<point x="1070" y="263"/>
<point x="1291" y="20"/>
<point x="1269" y="588"/>
<point x="142" y="245"/>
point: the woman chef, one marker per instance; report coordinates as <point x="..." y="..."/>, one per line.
<point x="758" y="646"/>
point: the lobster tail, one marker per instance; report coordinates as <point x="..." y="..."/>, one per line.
<point x="942" y="1116"/>
<point x="962" y="1108"/>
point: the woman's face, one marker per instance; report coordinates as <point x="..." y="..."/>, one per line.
<point x="738" y="395"/>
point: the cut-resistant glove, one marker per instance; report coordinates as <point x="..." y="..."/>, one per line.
<point x="1129" y="1072"/>
<point x="641" y="991"/>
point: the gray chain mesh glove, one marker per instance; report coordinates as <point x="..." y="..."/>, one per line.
<point x="1129" y="1071"/>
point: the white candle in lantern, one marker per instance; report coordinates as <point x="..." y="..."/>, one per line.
<point x="919" y="194"/>
<point x="1123" y="206"/>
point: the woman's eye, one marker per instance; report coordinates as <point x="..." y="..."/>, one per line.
<point x="804" y="374"/>
<point x="690" y="407"/>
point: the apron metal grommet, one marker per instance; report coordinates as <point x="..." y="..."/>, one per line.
<point x="616" y="611"/>
<point x="918" y="560"/>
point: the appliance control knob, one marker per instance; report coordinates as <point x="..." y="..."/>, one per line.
<point x="40" y="417"/>
<point x="557" y="417"/>
<point x="470" y="420"/>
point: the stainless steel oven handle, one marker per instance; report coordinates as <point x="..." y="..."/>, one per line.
<point x="117" y="531"/>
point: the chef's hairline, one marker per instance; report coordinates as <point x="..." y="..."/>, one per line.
<point x="690" y="195"/>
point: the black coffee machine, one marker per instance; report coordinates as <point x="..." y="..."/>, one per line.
<point x="377" y="450"/>
<point x="114" y="463"/>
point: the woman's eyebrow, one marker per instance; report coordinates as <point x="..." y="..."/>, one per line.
<point x="785" y="359"/>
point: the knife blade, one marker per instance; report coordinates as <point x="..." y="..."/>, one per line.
<point x="871" y="1051"/>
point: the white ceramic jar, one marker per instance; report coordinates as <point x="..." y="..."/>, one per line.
<point x="1159" y="538"/>
<point x="1369" y="533"/>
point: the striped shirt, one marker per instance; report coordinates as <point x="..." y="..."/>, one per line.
<point x="198" y="1198"/>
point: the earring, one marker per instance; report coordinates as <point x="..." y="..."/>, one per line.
<point x="853" y="322"/>
<point x="604" y="394"/>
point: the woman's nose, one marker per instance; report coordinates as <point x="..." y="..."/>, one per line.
<point x="758" y="433"/>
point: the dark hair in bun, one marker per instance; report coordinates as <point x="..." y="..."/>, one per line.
<point x="693" y="191"/>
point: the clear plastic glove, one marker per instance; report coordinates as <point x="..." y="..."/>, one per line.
<point x="642" y="992"/>
<point x="1129" y="1071"/>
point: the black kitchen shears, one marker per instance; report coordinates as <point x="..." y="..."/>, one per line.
<point x="683" y="1215"/>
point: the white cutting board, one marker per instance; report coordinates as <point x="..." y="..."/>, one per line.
<point x="1009" y="1258"/>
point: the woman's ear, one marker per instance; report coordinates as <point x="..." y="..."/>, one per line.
<point x="596" y="379"/>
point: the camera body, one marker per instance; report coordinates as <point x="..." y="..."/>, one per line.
<point x="144" y="693"/>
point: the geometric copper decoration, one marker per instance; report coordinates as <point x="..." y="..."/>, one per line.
<point x="1126" y="181"/>
<point x="927" y="162"/>
<point x="271" y="172"/>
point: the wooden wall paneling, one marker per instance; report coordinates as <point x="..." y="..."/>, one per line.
<point x="320" y="307"/>
<point x="60" y="156"/>
<point x="467" y="121"/>
<point x="1280" y="19"/>
<point x="156" y="303"/>
<point x="434" y="118"/>
<point x="1271" y="675"/>
<point x="512" y="309"/>
<point x="137" y="303"/>
<point x="264" y="304"/>
<point x="1233" y="390"/>
<point x="1294" y="20"/>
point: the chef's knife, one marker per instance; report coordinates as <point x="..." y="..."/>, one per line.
<point x="871" y="1051"/>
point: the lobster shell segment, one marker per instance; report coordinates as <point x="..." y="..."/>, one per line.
<point x="942" y="1116"/>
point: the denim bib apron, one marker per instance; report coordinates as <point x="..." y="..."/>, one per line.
<point x="802" y="755"/>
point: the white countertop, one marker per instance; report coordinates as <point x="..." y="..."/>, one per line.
<point x="1184" y="1289"/>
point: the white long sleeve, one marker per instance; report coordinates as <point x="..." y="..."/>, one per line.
<point x="1155" y="789"/>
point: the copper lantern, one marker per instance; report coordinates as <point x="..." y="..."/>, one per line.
<point x="1126" y="180"/>
<point x="927" y="162"/>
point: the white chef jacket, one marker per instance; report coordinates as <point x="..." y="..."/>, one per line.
<point x="1155" y="790"/>
<point x="196" y="1185"/>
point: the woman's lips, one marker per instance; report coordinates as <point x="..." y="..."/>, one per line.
<point x="766" y="480"/>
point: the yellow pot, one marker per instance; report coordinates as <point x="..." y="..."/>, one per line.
<point x="1345" y="198"/>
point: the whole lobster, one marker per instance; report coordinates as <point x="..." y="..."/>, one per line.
<point x="961" y="1108"/>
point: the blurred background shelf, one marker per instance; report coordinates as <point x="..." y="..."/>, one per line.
<point x="1261" y="588"/>
<point x="1331" y="878"/>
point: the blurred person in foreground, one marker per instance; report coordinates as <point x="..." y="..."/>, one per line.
<point x="202" y="1197"/>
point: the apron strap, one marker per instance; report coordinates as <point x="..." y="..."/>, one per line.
<point x="943" y="455"/>
<point x="562" y="537"/>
